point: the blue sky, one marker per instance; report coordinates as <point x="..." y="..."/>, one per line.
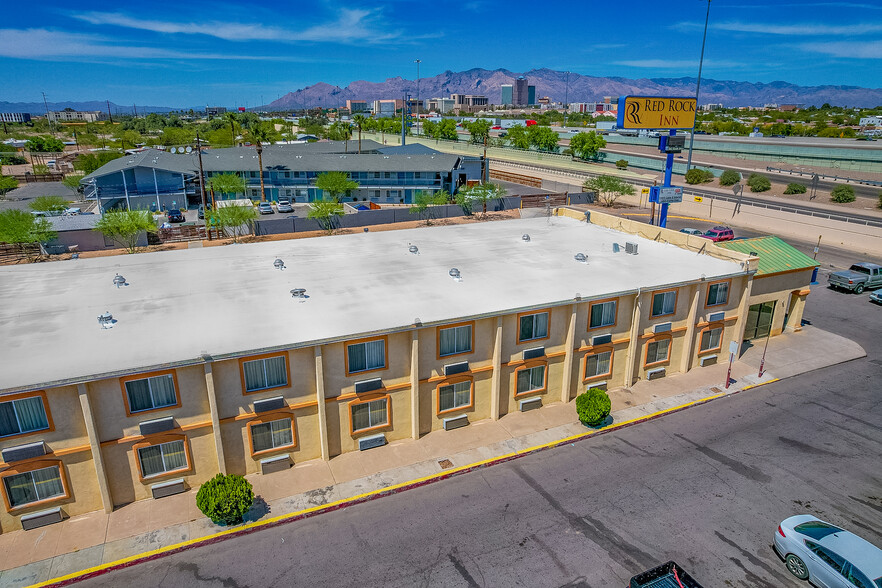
<point x="197" y="52"/>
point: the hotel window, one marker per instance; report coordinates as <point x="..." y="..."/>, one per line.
<point x="271" y="435"/>
<point x="369" y="415"/>
<point x="453" y="396"/>
<point x="162" y="458"/>
<point x="664" y="303"/>
<point x="603" y="314"/>
<point x="717" y="293"/>
<point x="33" y="486"/>
<point x="533" y="326"/>
<point x="262" y="374"/>
<point x="149" y="393"/>
<point x="598" y="364"/>
<point x="23" y="416"/>
<point x="369" y="355"/>
<point x="531" y="379"/>
<point x="455" y="340"/>
<point x="657" y="351"/>
<point x="711" y="339"/>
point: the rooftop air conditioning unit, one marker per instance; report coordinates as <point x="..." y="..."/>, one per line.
<point x="456" y="422"/>
<point x="655" y="374"/>
<point x="708" y="360"/>
<point x="277" y="463"/>
<point x="530" y="403"/>
<point x="456" y="368"/>
<point x="169" y="488"/>
<point x="368" y="385"/>
<point x="631" y="248"/>
<point x="370" y="442"/>
<point x="268" y="404"/>
<point x="42" y="518"/>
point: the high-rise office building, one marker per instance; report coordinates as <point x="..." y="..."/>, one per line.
<point x="521" y="92"/>
<point x="506" y="94"/>
<point x="531" y="95"/>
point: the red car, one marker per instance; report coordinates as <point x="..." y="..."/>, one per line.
<point x="496" y="128"/>
<point x="530" y="123"/>
<point x="717" y="234"/>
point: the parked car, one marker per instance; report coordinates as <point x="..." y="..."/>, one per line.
<point x="284" y="205"/>
<point x="857" y="278"/>
<point x="826" y="555"/>
<point x="265" y="208"/>
<point x="201" y="212"/>
<point x="689" y="231"/>
<point x="175" y="216"/>
<point x="718" y="234"/>
<point x="876" y="297"/>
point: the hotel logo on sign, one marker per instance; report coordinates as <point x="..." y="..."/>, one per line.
<point x="654" y="112"/>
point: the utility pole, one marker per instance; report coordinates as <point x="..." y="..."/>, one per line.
<point x="404" y="118"/>
<point x="566" y="100"/>
<point x="202" y="180"/>
<point x="418" y="62"/>
<point x="697" y="88"/>
<point x="110" y="116"/>
<point x="46" y="104"/>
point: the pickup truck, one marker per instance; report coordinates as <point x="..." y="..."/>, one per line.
<point x="857" y="278"/>
<point x="668" y="575"/>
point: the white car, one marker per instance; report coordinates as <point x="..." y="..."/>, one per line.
<point x="827" y="556"/>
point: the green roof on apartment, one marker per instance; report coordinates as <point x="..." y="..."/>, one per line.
<point x="775" y="256"/>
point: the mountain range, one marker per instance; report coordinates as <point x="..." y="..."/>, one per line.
<point x="578" y="88"/>
<point x="558" y="85"/>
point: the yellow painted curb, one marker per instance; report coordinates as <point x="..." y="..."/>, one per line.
<point x="760" y="384"/>
<point x="695" y="218"/>
<point x="358" y="497"/>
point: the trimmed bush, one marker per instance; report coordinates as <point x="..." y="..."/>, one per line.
<point x="759" y="183"/>
<point x="794" y="188"/>
<point x="225" y="499"/>
<point x="729" y="178"/>
<point x="842" y="194"/>
<point x="880" y="199"/>
<point x="698" y="176"/>
<point x="622" y="164"/>
<point x="593" y="406"/>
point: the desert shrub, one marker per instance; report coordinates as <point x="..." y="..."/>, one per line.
<point x="794" y="188"/>
<point x="759" y="183"/>
<point x="698" y="176"/>
<point x="225" y="499"/>
<point x="593" y="406"/>
<point x="729" y="178"/>
<point x="880" y="199"/>
<point x="842" y="194"/>
<point x="622" y="164"/>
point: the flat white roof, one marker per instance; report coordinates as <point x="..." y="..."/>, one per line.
<point x="229" y="300"/>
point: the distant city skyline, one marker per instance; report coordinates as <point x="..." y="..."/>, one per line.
<point x="184" y="55"/>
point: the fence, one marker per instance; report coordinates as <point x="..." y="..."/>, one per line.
<point x="182" y="233"/>
<point x="543" y="200"/>
<point x="847" y="180"/>
<point x="516" y="178"/>
<point x="30" y="178"/>
<point x="11" y="253"/>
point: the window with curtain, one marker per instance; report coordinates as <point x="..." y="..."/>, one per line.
<point x="718" y="294"/>
<point x="454" y="395"/>
<point x="533" y="326"/>
<point x="531" y="379"/>
<point x="663" y="303"/>
<point x="657" y="351"/>
<point x="598" y="364"/>
<point x="266" y="436"/>
<point x="603" y="314"/>
<point x="22" y="416"/>
<point x="369" y="355"/>
<point x="33" y="486"/>
<point x="261" y="374"/>
<point x="710" y="339"/>
<point x="454" y="340"/>
<point x="162" y="458"/>
<point x="149" y="393"/>
<point x="366" y="415"/>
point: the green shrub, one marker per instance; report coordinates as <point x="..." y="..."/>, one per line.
<point x="593" y="406"/>
<point x="225" y="499"/>
<point x="729" y="178"/>
<point x="698" y="176"/>
<point x="622" y="164"/>
<point x="759" y="183"/>
<point x="842" y="194"/>
<point x="880" y="199"/>
<point x="794" y="188"/>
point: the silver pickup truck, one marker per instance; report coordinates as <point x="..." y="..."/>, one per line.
<point x="859" y="277"/>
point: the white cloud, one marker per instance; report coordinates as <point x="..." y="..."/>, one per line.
<point x="49" y="45"/>
<point x="810" y="29"/>
<point x="847" y="49"/>
<point x="667" y="64"/>
<point x="353" y="25"/>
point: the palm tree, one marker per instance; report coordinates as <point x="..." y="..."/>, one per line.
<point x="230" y="117"/>
<point x="260" y="133"/>
<point x="359" y="119"/>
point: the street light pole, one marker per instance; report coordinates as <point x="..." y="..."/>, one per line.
<point x="418" y="62"/>
<point x="566" y="100"/>
<point x="698" y="87"/>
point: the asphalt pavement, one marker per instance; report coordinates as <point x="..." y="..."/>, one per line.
<point x="705" y="487"/>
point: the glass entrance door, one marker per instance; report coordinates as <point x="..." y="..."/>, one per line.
<point x="759" y="320"/>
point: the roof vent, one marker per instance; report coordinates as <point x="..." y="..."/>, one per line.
<point x="279" y="264"/>
<point x="754" y="254"/>
<point x="299" y="293"/>
<point x="106" y="320"/>
<point x="616" y="248"/>
<point x="525" y="238"/>
<point x="580" y="257"/>
<point x="631" y="248"/>
<point x="414" y="249"/>
<point x="118" y="281"/>
<point x="454" y="273"/>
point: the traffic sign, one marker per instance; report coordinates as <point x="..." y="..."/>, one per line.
<point x="656" y="112"/>
<point x="697" y="198"/>
<point x="670" y="195"/>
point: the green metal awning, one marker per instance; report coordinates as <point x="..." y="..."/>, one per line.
<point x="775" y="256"/>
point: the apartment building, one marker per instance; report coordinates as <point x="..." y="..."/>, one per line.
<point x="397" y="334"/>
<point x="70" y="115"/>
<point x="15" y="117"/>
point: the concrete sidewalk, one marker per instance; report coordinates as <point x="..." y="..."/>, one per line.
<point x="100" y="540"/>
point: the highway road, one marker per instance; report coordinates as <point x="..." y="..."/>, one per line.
<point x="705" y="487"/>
